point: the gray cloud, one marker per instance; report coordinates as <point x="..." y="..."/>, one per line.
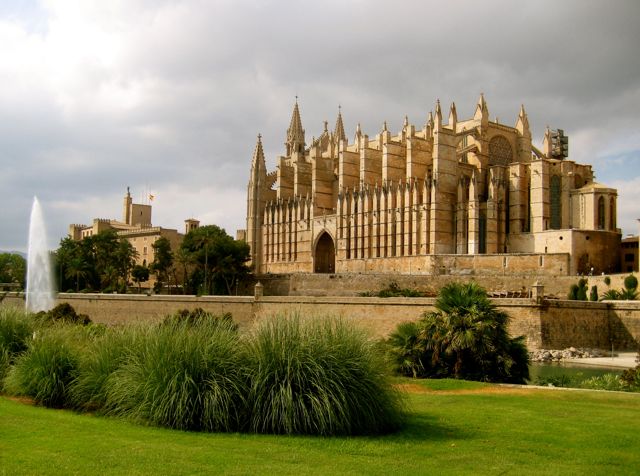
<point x="170" y="95"/>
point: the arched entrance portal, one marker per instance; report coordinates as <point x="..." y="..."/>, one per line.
<point x="325" y="255"/>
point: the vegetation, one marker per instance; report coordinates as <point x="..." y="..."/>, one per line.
<point x="455" y="427"/>
<point x="140" y="274"/>
<point x="578" y="292"/>
<point x="101" y="262"/>
<point x="593" y="295"/>
<point x="184" y="375"/>
<point x="162" y="262"/>
<point x="318" y="376"/>
<point x="46" y="369"/>
<point x="393" y="290"/>
<point x="628" y="293"/>
<point x="63" y="312"/>
<point x="466" y="338"/>
<point x="13" y="269"/>
<point x="16" y="330"/>
<point x="194" y="371"/>
<point x="218" y="261"/>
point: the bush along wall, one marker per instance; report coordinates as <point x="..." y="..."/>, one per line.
<point x="195" y="371"/>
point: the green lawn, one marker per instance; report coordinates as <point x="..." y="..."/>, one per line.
<point x="455" y="427"/>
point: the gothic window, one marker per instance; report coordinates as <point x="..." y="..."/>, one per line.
<point x="500" y="152"/>
<point x="556" y="203"/>
<point x="601" y="213"/>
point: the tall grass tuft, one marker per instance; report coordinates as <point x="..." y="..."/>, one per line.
<point x="45" y="370"/>
<point x="16" y="329"/>
<point x="183" y="375"/>
<point x="318" y="376"/>
<point x="103" y="356"/>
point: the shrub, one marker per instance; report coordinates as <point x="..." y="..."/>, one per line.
<point x="578" y="292"/>
<point x="183" y="375"/>
<point x="631" y="378"/>
<point x="582" y="289"/>
<point x="393" y="290"/>
<point x="466" y="337"/>
<point x="608" y="381"/>
<point x="16" y="329"/>
<point x="44" y="372"/>
<point x="611" y="295"/>
<point x="63" y="312"/>
<point x="408" y="353"/>
<point x="593" y="296"/>
<point x="631" y="282"/>
<point x="607" y="280"/>
<point x="573" y="292"/>
<point x="318" y="376"/>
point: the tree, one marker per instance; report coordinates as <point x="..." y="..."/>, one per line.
<point x="98" y="262"/>
<point x="466" y="337"/>
<point x="77" y="268"/>
<point x="13" y="269"/>
<point x="185" y="260"/>
<point x="124" y="261"/>
<point x="140" y="274"/>
<point x="162" y="259"/>
<point x="220" y="261"/>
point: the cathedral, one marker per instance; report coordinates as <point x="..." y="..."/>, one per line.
<point x="471" y="196"/>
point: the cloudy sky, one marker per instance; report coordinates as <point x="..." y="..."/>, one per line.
<point x="167" y="97"/>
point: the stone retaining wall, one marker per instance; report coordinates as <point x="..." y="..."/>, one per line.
<point x="546" y="324"/>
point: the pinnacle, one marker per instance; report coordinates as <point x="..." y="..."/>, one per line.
<point x="338" y="132"/>
<point x="295" y="133"/>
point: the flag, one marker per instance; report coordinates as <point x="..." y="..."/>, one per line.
<point x="151" y="197"/>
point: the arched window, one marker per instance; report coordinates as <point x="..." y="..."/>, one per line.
<point x="556" y="203"/>
<point x="601" y="213"/>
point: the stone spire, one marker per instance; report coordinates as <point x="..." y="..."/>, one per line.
<point x="338" y="132"/>
<point x="482" y="111"/>
<point x="295" y="133"/>
<point x="522" y="123"/>
<point x="453" y="117"/>
<point x="438" y="122"/>
<point x="258" y="162"/>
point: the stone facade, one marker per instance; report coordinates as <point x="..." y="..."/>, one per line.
<point x="136" y="228"/>
<point x="392" y="203"/>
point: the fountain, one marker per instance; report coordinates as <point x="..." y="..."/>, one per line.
<point x="39" y="278"/>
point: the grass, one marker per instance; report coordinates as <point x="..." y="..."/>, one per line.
<point x="454" y="427"/>
<point x="318" y="377"/>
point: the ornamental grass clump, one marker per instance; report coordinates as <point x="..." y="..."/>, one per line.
<point x="318" y="376"/>
<point x="16" y="329"/>
<point x="46" y="369"/>
<point x="183" y="375"/>
<point x="103" y="356"/>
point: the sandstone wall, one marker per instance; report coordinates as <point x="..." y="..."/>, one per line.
<point x="551" y="324"/>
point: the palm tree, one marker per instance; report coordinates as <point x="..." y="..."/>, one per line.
<point x="77" y="268"/>
<point x="468" y="335"/>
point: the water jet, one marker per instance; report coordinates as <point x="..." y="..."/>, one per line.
<point x="39" y="278"/>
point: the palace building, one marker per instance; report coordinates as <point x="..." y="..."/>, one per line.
<point x="470" y="196"/>
<point x="136" y="228"/>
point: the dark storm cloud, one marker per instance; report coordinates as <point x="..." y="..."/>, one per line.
<point x="169" y="96"/>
